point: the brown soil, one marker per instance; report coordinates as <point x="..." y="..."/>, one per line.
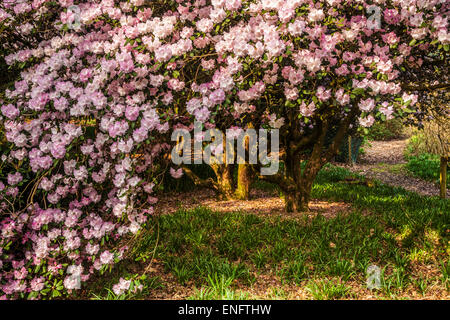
<point x="261" y="203"/>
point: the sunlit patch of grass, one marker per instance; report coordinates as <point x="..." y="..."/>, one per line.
<point x="405" y="233"/>
<point x="421" y="285"/>
<point x="278" y="294"/>
<point x="399" y="168"/>
<point x="425" y="166"/>
<point x="218" y="288"/>
<point x="328" y="290"/>
<point x="445" y="270"/>
<point x="432" y="236"/>
<point x="420" y="255"/>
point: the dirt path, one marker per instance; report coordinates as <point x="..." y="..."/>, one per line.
<point x="390" y="152"/>
<point x="384" y="161"/>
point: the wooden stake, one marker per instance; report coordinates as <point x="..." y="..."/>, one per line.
<point x="443" y="177"/>
<point x="350" y="158"/>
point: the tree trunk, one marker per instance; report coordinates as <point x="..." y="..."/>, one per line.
<point x="289" y="202"/>
<point x="244" y="178"/>
<point x="303" y="179"/>
<point x="298" y="200"/>
<point x="303" y="197"/>
<point x="225" y="184"/>
<point x="297" y="183"/>
<point x="243" y="182"/>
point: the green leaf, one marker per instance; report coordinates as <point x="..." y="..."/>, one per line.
<point x="32" y="295"/>
<point x="358" y="91"/>
<point x="55" y="294"/>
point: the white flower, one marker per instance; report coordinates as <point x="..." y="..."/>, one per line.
<point x="367" y="122"/>
<point x="177" y="174"/>
<point x="276" y="123"/>
<point x="106" y="257"/>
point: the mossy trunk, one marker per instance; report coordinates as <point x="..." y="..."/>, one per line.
<point x="244" y="179"/>
<point x="297" y="202"/>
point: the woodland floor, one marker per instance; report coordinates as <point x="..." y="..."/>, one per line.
<point x="262" y="203"/>
<point x="199" y="247"/>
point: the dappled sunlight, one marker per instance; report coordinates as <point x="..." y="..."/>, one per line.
<point x="261" y="203"/>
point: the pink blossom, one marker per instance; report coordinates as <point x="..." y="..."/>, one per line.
<point x="85" y="75"/>
<point x="121" y="287"/>
<point x="10" y="111"/>
<point x="307" y="110"/>
<point x="177" y="174"/>
<point x="367" y="122"/>
<point x="367" y="105"/>
<point x="37" y="284"/>
<point x="106" y="257"/>
<point x="14" y="179"/>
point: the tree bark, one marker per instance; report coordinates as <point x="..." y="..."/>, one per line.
<point x="298" y="193"/>
<point x="243" y="182"/>
<point x="244" y="178"/>
<point x="297" y="199"/>
<point x="225" y="184"/>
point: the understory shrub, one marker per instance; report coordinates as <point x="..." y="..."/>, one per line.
<point x="387" y="130"/>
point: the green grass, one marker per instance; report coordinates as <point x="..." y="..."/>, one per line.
<point x="395" y="207"/>
<point x="218" y="288"/>
<point x="102" y="288"/>
<point x="425" y="166"/>
<point x="328" y="290"/>
<point x="222" y="252"/>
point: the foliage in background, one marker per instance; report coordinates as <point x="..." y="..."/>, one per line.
<point x="416" y="144"/>
<point x="386" y="130"/>
<point x="420" y="162"/>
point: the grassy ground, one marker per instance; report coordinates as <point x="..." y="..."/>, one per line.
<point x="200" y="254"/>
<point x="425" y="166"/>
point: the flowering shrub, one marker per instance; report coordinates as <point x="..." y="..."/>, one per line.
<point x="106" y="82"/>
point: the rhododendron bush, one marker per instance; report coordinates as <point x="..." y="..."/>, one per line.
<point x="87" y="124"/>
